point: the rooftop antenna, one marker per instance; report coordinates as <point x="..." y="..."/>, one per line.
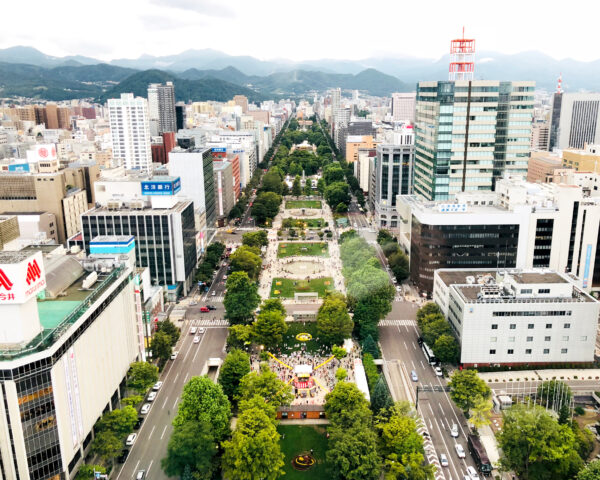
<point x="462" y="58"/>
<point x="559" y="84"/>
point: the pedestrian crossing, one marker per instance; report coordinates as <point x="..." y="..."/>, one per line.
<point x="210" y="298"/>
<point x="209" y="322"/>
<point x="397" y="323"/>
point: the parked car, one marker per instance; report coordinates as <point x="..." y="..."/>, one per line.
<point x="139" y="422"/>
<point x="201" y="330"/>
<point x="473" y="475"/>
<point x="131" y="439"/>
<point x="414" y="376"/>
<point x="438" y="371"/>
<point x="454" y="430"/>
<point x="145" y="409"/>
<point x="151" y="396"/>
<point x="460" y="451"/>
<point x="443" y="460"/>
<point x="205" y="309"/>
<point x="157" y="386"/>
<point x="196" y="339"/>
<point x="123" y="456"/>
<point x="211" y="307"/>
<point x="193" y="330"/>
<point x="174" y="355"/>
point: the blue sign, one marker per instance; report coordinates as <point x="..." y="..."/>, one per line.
<point x="219" y="150"/>
<point x="18" y="167"/>
<point x="161" y="187"/>
<point x="586" y="270"/>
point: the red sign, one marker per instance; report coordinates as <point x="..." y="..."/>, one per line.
<point x="4" y="281"/>
<point x="43" y="152"/>
<point x="33" y="272"/>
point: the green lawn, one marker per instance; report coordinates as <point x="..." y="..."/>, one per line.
<point x="287" y="287"/>
<point x="290" y="342"/>
<point x="312" y="249"/>
<point x="300" y="222"/>
<point x="303" y="204"/>
<point x="300" y="439"/>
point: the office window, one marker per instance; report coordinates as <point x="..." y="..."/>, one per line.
<point x="548" y="325"/>
<point x="563" y="350"/>
<point x="493" y="352"/>
<point x="528" y="351"/>
<point x="494" y="326"/>
<point x="530" y="326"/>
<point x="565" y="338"/>
<point x="543" y="290"/>
<point x="511" y="339"/>
<point x="530" y="339"/>
<point x="493" y="339"/>
<point x="510" y="351"/>
<point x="513" y="326"/>
<point x="547" y="339"/>
<point x="567" y="325"/>
<point x="584" y="338"/>
<point x="546" y="351"/>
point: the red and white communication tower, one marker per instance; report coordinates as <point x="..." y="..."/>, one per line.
<point x="462" y="58"/>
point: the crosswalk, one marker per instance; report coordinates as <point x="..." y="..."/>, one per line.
<point x="397" y="323"/>
<point x="208" y="322"/>
<point x="210" y="298"/>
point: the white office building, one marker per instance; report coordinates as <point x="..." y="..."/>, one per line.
<point x="130" y="129"/>
<point x="161" y="108"/>
<point x="575" y="120"/>
<point x="403" y="107"/>
<point x="512" y="317"/>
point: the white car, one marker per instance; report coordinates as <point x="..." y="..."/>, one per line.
<point x="174" y="355"/>
<point x="151" y="396"/>
<point x="355" y="225"/>
<point x="460" y="451"/>
<point x="145" y="409"/>
<point x="202" y="330"/>
<point x="473" y="475"/>
<point x="140" y="475"/>
<point x="193" y="330"/>
<point x="454" y="430"/>
<point x="193" y="304"/>
<point x="438" y="372"/>
<point x="213" y="293"/>
<point x="131" y="439"/>
<point x="157" y="386"/>
<point x="414" y="376"/>
<point x="196" y="339"/>
<point x="443" y="460"/>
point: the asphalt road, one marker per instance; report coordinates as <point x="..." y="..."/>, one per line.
<point x="153" y="436"/>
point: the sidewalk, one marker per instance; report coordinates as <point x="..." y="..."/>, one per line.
<point x="543" y="375"/>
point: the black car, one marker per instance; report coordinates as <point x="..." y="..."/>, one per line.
<point x="138" y="424"/>
<point x="211" y="307"/>
<point x="124" y="453"/>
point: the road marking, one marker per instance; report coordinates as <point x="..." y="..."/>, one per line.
<point x="136" y="466"/>
<point x="152" y="431"/>
<point x="175" y="379"/>
<point x="186" y="377"/>
<point x="422" y="364"/>
<point x="175" y="404"/>
<point x="165" y="402"/>
<point x="149" y="467"/>
<point x="163" y="433"/>
<point x="414" y="367"/>
<point x="405" y="346"/>
<point x="413" y="344"/>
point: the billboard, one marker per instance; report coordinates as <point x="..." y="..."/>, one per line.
<point x="452" y="207"/>
<point x="42" y="153"/>
<point x="22" y="280"/>
<point x="219" y="150"/>
<point x="161" y="187"/>
<point x="18" y="167"/>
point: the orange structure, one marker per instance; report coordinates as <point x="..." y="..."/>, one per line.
<point x="462" y="58"/>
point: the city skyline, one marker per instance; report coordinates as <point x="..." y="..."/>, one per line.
<point x="158" y="27"/>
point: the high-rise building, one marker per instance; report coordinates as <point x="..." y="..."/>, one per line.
<point x="180" y="115"/>
<point x="403" y="107"/>
<point x="540" y="135"/>
<point x="393" y="172"/>
<point x="130" y="132"/>
<point x="224" y="193"/>
<point x="161" y="108"/>
<point x="575" y="120"/>
<point x="242" y="101"/>
<point x="469" y="134"/>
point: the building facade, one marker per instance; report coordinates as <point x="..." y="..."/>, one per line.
<point x="403" y="107"/>
<point x="161" y="108"/>
<point x="469" y="134"/>
<point x="224" y="190"/>
<point x="575" y="120"/>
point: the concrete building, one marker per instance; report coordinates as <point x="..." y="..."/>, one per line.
<point x="161" y="108"/>
<point x="362" y="167"/>
<point x="516" y="317"/>
<point x="582" y="160"/>
<point x="520" y="225"/>
<point x="469" y="134"/>
<point x="38" y="225"/>
<point x="130" y="130"/>
<point x="224" y="190"/>
<point x="62" y="363"/>
<point x="242" y="101"/>
<point x="356" y="142"/>
<point x="394" y="176"/>
<point x="403" y="107"/>
<point x="543" y="165"/>
<point x="575" y="120"/>
<point x="9" y="229"/>
<point x="540" y="135"/>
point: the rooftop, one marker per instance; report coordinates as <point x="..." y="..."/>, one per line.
<point x="147" y="210"/>
<point x="13" y="257"/>
<point x="538" y="277"/>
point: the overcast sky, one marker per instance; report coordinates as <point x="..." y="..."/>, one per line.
<point x="300" y="30"/>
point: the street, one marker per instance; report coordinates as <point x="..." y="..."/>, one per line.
<point x="153" y="436"/>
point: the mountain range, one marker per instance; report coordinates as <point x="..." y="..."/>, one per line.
<point x="204" y="74"/>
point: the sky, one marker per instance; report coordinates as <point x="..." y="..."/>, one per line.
<point x="300" y="30"/>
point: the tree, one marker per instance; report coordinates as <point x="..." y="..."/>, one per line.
<point x="191" y="445"/>
<point x="384" y="236"/>
<point x="481" y="412"/>
<point x="307" y="188"/>
<point x="204" y="401"/>
<point x="266" y="206"/>
<point x="255" y="239"/>
<point x="590" y="472"/>
<point x="253" y="451"/>
<point x="161" y="346"/>
<point x="535" y="446"/>
<point x="337" y="193"/>
<point x="334" y="324"/>
<point x="86" y="472"/>
<point x="370" y="370"/>
<point x="399" y="265"/>
<point x="341" y="374"/>
<point x="465" y="387"/>
<point x="119" y="421"/>
<point x="445" y="348"/>
<point x="554" y="393"/>
<point x="272" y="181"/>
<point x="333" y="173"/>
<point x="246" y="259"/>
<point x="381" y="397"/>
<point x="369" y="346"/>
<point x="341" y="208"/>
<point x="321" y="186"/>
<point x="269" y="328"/>
<point x="338" y="352"/>
<point x="141" y="376"/>
<point x="235" y="366"/>
<point x="346" y="404"/>
<point x="296" y="187"/>
<point x="390" y="248"/>
<point x="241" y="298"/>
<point x="171" y="330"/>
<point x="107" y="445"/>
<point x="352" y="453"/>
<point x="434" y="330"/>
<point x="132" y="400"/>
<point x="266" y="385"/>
<point x="273" y="304"/>
<point x="240" y="336"/>
<point x="428" y="309"/>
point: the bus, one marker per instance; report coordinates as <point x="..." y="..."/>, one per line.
<point x="479" y="455"/>
<point x="429" y="354"/>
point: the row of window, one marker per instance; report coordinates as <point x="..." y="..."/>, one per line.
<point x="530" y="326"/>
<point x="547" y="338"/>
<point x="537" y="313"/>
<point x="546" y="351"/>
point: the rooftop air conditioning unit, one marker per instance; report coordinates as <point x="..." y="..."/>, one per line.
<point x="113" y="205"/>
<point x="136" y="205"/>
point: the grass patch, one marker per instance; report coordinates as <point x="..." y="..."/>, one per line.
<point x="300" y="439"/>
<point x="291" y="344"/>
<point x="286" y="287"/>
<point x="303" y="204"/>
<point x="300" y="222"/>
<point x="312" y="249"/>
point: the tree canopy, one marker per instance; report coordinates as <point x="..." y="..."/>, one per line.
<point x="465" y="387"/>
<point x="334" y="324"/>
<point x="235" y="366"/>
<point x="241" y="298"/>
<point x="141" y="376"/>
